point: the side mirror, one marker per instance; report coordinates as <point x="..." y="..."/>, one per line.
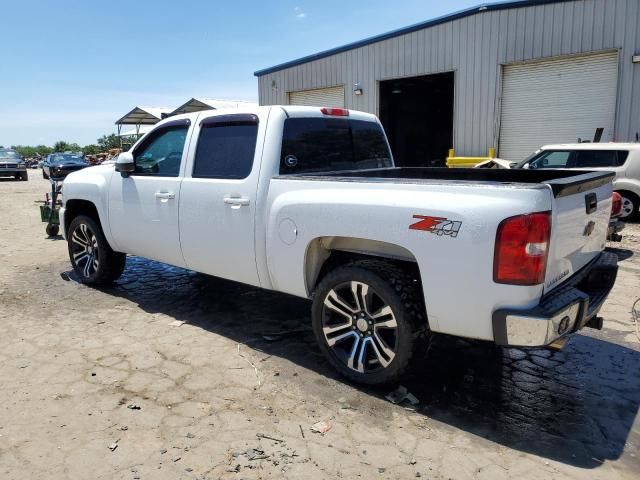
<point x="125" y="164"/>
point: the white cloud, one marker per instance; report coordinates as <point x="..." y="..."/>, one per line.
<point x="299" y="13"/>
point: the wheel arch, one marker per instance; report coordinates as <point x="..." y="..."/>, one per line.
<point x="324" y="254"/>
<point x="75" y="207"/>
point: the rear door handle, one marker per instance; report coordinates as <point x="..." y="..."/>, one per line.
<point x="236" y="200"/>
<point x="165" y="195"/>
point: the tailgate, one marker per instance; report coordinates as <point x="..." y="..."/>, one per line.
<point x="581" y="209"/>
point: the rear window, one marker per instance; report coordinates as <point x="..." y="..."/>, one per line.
<point x="600" y="158"/>
<point x="331" y="144"/>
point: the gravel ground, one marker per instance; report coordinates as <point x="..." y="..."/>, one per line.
<point x="172" y="374"/>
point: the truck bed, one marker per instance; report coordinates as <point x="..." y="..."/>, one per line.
<point x="562" y="182"/>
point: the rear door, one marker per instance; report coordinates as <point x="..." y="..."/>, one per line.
<point x="218" y="197"/>
<point x="143" y="207"/>
<point x="580" y="218"/>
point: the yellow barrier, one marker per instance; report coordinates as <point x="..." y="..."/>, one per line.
<point x="468" y="162"/>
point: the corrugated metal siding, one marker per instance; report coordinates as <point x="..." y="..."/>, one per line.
<point x="474" y="48"/>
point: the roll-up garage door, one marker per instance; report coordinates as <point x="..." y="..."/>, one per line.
<point x="319" y="97"/>
<point x="557" y="101"/>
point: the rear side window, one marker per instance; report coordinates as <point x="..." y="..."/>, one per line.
<point x="331" y="144"/>
<point x="600" y="158"/>
<point x="226" y="147"/>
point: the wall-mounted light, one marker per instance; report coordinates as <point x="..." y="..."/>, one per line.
<point x="357" y="89"/>
<point x="635" y="59"/>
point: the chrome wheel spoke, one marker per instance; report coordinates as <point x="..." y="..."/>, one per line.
<point x="380" y="347"/>
<point x="360" y="293"/>
<point x="336" y="328"/>
<point x="86" y="270"/>
<point x="356" y="357"/>
<point x="338" y="338"/>
<point x="335" y="303"/>
<point x="78" y="240"/>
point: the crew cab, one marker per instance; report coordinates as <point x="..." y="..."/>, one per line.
<point x="308" y="201"/>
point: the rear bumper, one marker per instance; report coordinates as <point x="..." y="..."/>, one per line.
<point x="561" y="312"/>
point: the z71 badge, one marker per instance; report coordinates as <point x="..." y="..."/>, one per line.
<point x="437" y="225"/>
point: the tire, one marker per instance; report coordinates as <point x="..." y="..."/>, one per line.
<point x="630" y="206"/>
<point x="24" y="176"/>
<point x="92" y="258"/>
<point x="370" y="351"/>
<point x="44" y="175"/>
<point x="52" y="230"/>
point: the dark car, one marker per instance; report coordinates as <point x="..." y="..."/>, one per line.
<point x="12" y="165"/>
<point x="58" y="165"/>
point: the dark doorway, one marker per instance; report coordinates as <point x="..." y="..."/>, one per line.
<point x="417" y="114"/>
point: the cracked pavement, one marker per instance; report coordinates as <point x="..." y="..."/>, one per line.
<point x="111" y="383"/>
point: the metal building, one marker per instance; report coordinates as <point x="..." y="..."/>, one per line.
<point x="510" y="75"/>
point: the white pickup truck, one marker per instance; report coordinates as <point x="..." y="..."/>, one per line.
<point x="307" y="201"/>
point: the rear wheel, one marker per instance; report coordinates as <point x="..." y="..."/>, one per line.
<point x="630" y="205"/>
<point x="91" y="256"/>
<point x="369" y="320"/>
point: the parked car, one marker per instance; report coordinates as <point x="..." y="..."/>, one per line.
<point x="58" y="165"/>
<point x="12" y="165"/>
<point x="307" y="201"/>
<point x="621" y="158"/>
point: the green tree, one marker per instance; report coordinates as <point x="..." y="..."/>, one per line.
<point x="107" y="142"/>
<point x="60" y="146"/>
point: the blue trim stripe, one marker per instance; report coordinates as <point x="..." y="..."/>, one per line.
<point x="403" y="31"/>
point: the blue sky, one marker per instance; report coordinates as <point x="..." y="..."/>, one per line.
<point x="71" y="68"/>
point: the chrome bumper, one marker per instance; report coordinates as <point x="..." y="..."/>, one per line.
<point x="561" y="312"/>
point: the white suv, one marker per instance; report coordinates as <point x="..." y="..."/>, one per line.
<point x="621" y="158"/>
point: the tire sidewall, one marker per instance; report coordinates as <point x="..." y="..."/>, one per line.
<point x="391" y="297"/>
<point x="103" y="250"/>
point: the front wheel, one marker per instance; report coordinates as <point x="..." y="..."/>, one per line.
<point x="92" y="258"/>
<point x="369" y="320"/>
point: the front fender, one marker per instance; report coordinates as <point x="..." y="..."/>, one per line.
<point x="92" y="185"/>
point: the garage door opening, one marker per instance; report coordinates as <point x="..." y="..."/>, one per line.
<point x="417" y="114"/>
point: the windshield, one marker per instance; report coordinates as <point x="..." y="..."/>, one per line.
<point x="67" y="158"/>
<point x="9" y="155"/>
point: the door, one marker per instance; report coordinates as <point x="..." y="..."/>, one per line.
<point x="218" y="197"/>
<point x="319" y="97"/>
<point x="143" y="207"/>
<point x="558" y="101"/>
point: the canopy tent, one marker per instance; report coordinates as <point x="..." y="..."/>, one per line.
<point x="198" y="104"/>
<point x="141" y="116"/>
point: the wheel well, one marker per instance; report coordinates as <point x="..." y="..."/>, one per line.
<point x="73" y="208"/>
<point x="328" y="253"/>
<point x="629" y="193"/>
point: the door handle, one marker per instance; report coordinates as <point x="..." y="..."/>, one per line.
<point x="165" y="195"/>
<point x="236" y="200"/>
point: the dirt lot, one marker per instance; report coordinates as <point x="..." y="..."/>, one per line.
<point x="111" y="384"/>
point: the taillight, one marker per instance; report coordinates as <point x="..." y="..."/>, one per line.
<point x="522" y="243"/>
<point x="616" y="204"/>
<point x="335" y="112"/>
